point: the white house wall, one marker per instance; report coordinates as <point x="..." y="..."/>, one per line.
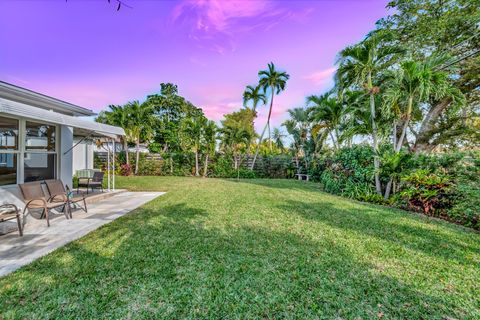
<point x="82" y="155"/>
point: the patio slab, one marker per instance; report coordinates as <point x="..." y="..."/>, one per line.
<point x="38" y="239"/>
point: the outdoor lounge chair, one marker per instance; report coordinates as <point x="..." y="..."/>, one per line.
<point x="10" y="212"/>
<point x="94" y="182"/>
<point x="58" y="193"/>
<point x="35" y="199"/>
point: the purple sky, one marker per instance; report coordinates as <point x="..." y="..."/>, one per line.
<point x="89" y="54"/>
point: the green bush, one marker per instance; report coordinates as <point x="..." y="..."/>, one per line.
<point x="150" y="168"/>
<point x="428" y="192"/>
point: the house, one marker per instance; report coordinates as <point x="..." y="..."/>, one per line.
<point x="42" y="137"/>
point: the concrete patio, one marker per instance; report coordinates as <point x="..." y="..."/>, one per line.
<point x="38" y="239"/>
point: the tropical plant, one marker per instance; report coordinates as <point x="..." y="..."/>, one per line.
<point x="273" y="81"/>
<point x="209" y="142"/>
<point x="360" y="66"/>
<point x="140" y="124"/>
<point x="255" y="95"/>
<point x="118" y="116"/>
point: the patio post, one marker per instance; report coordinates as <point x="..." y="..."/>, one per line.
<point x="113" y="166"/>
<point x="108" y="166"/>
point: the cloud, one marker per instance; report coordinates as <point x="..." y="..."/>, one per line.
<point x="214" y="24"/>
<point x="321" y="77"/>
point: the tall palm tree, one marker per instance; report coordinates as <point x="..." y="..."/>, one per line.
<point x="209" y="137"/>
<point x="275" y="82"/>
<point x="360" y="65"/>
<point x="140" y="124"/>
<point x="118" y="116"/>
<point x="255" y="95"/>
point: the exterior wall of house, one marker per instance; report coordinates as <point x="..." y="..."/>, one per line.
<point x="66" y="155"/>
<point x="82" y="155"/>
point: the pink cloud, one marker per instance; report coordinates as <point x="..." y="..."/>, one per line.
<point x="214" y="24"/>
<point x="321" y="77"/>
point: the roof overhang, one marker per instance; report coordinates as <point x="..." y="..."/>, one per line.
<point x="12" y="92"/>
<point x="14" y="108"/>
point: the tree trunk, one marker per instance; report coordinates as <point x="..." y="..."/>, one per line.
<point x="333" y="140"/>
<point x="376" y="160"/>
<point x="258" y="148"/>
<point x="125" y="148"/>
<point x="405" y="125"/>
<point x="137" y="147"/>
<point x="197" y="172"/>
<point x="388" y="188"/>
<point x="205" y="168"/>
<point x="423" y="137"/>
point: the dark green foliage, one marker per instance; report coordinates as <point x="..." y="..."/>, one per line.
<point x="428" y="192"/>
<point x="348" y="172"/>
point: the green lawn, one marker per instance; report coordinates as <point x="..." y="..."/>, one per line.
<point x="214" y="248"/>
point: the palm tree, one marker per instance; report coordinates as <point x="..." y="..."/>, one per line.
<point x="278" y="138"/>
<point x="410" y="85"/>
<point x="274" y="81"/>
<point x="140" y="124"/>
<point x="360" y="65"/>
<point x="191" y="130"/>
<point x="234" y="139"/>
<point x="118" y="116"/>
<point x="255" y="95"/>
<point x="299" y="127"/>
<point x="209" y="141"/>
<point x="327" y="112"/>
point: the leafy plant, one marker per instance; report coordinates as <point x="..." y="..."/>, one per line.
<point x="428" y="192"/>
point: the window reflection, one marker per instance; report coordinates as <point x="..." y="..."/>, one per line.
<point x="8" y="134"/>
<point x="39" y="166"/>
<point x="8" y="168"/>
<point x="40" y="137"/>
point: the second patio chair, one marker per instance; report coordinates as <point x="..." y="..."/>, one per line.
<point x="58" y="193"/>
<point x="35" y="199"/>
<point x="94" y="182"/>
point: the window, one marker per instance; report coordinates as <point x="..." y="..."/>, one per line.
<point x="40" y="158"/>
<point x="8" y="150"/>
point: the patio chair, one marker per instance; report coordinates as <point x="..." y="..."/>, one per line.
<point x="10" y="212"/>
<point x="35" y="199"/>
<point x="94" y="182"/>
<point x="60" y="193"/>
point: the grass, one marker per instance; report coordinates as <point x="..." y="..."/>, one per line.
<point x="214" y="248"/>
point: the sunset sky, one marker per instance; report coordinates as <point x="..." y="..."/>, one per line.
<point x="89" y="54"/>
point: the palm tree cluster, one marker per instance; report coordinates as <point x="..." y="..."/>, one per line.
<point x="380" y="93"/>
<point x="271" y="82"/>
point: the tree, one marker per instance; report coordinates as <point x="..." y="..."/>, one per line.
<point x="118" y="116"/>
<point x="327" y="112"/>
<point x="451" y="28"/>
<point x="255" y="95"/>
<point x="170" y="108"/>
<point x="278" y="138"/>
<point x="140" y="124"/>
<point x="209" y="140"/>
<point x="191" y="130"/>
<point x="237" y="134"/>
<point x="412" y="84"/>
<point x="360" y="65"/>
<point x="273" y="81"/>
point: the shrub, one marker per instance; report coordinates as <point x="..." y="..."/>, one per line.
<point x="428" y="192"/>
<point x="125" y="170"/>
<point x="150" y="167"/>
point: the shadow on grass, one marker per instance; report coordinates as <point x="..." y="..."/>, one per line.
<point x="170" y="263"/>
<point x="374" y="222"/>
